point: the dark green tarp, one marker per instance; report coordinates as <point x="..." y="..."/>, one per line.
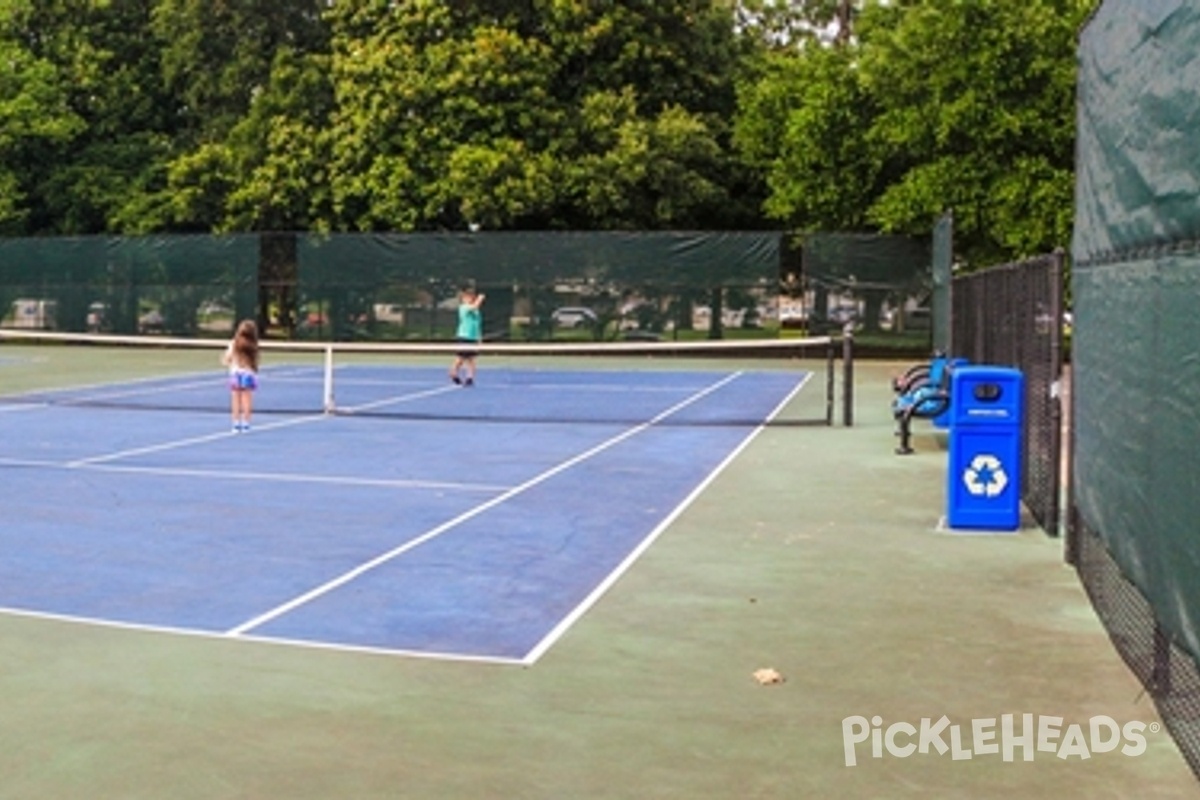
<point x="701" y="259"/>
<point x="177" y="284"/>
<point x="1136" y="294"/>
<point x="347" y="283"/>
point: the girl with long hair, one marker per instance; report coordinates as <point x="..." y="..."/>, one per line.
<point x="242" y="359"/>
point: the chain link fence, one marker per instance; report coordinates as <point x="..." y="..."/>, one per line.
<point x="1012" y="315"/>
<point x="1166" y="670"/>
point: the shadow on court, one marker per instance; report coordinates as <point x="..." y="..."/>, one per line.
<point x="814" y="553"/>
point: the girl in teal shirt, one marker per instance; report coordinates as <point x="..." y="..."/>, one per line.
<point x="470" y="331"/>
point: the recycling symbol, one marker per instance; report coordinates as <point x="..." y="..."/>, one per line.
<point x="985" y="477"/>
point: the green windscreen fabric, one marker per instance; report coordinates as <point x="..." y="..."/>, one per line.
<point x="52" y="283"/>
<point x="1138" y="112"/>
<point x="877" y="271"/>
<point x="867" y="261"/>
<point x="186" y="285"/>
<point x="1135" y="289"/>
<point x="689" y="259"/>
<point x="353" y="285"/>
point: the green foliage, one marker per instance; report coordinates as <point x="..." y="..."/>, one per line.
<point x="803" y="124"/>
<point x="251" y="91"/>
<point x="422" y="117"/>
<point x="218" y="56"/>
<point x="937" y="104"/>
<point x="530" y="115"/>
<point x="790" y="23"/>
<point x="186" y="115"/>
<point x="190" y="115"/>
<point x="278" y="149"/>
<point x="35" y="111"/>
<point x="497" y="183"/>
<point x="977" y="105"/>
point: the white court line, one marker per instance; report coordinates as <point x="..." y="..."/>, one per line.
<point x="21" y="407"/>
<point x="196" y="633"/>
<point x="405" y="398"/>
<point x="542" y="477"/>
<point x="212" y="437"/>
<point x="561" y="628"/>
<point x="111" y="384"/>
<point x="270" y="426"/>
<point x="213" y="379"/>
<point x="267" y="477"/>
<point x="596" y="387"/>
<point x="66" y="395"/>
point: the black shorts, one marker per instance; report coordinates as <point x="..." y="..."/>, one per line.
<point x="466" y="354"/>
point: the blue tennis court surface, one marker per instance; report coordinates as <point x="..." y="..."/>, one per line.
<point x="474" y="523"/>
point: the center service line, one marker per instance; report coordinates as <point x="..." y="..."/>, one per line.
<point x="365" y="567"/>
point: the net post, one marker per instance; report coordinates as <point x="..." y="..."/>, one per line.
<point x="1054" y="513"/>
<point x="848" y="375"/>
<point x="830" y="380"/>
<point x="328" y="402"/>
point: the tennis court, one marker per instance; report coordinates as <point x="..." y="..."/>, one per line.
<point x="812" y="551"/>
<point x="419" y="518"/>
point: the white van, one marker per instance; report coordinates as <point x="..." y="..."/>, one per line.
<point x="36" y="314"/>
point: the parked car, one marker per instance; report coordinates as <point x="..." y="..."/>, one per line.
<point x="843" y="314"/>
<point x="151" y="322"/>
<point x="573" y="317"/>
<point x="97" y="317"/>
<point x="39" y="314"/>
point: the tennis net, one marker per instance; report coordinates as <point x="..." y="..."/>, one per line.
<point x="778" y="381"/>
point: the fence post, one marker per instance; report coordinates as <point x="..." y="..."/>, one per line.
<point x="848" y="375"/>
<point x="1056" y="367"/>
<point x="830" y="382"/>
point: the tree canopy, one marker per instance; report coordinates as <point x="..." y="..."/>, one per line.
<point x="931" y="105"/>
<point x="133" y="116"/>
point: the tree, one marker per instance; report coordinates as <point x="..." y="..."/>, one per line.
<point x="188" y="115"/>
<point x="248" y="92"/>
<point x="112" y="69"/>
<point x="532" y="115"/>
<point x="53" y="78"/>
<point x="278" y="152"/>
<point x="934" y="104"/>
<point x="217" y="57"/>
<point x="653" y="173"/>
<point x="805" y="123"/>
<point x="977" y="115"/>
<point x="430" y="100"/>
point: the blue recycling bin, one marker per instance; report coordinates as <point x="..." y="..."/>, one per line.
<point x="984" y="476"/>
